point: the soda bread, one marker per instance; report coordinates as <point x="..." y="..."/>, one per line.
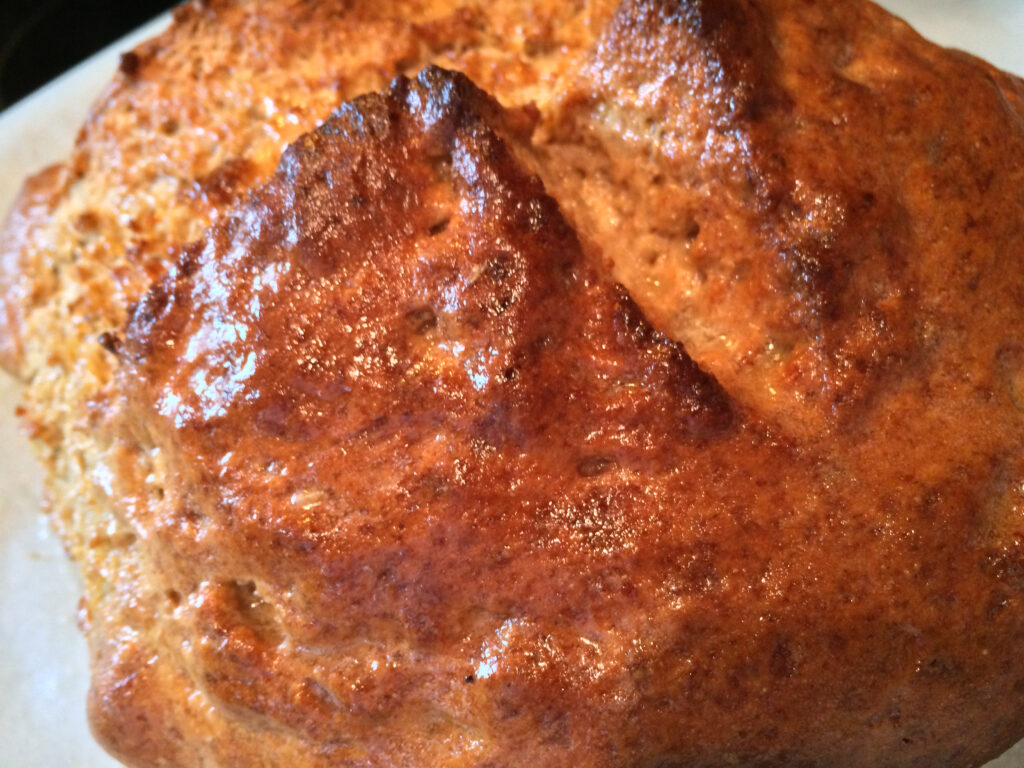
<point x="536" y="383"/>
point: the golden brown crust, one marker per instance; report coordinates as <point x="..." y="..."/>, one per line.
<point x="806" y="158"/>
<point x="33" y="206"/>
<point x="403" y="357"/>
<point x="392" y="472"/>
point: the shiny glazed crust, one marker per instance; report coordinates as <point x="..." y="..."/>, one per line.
<point x="649" y="394"/>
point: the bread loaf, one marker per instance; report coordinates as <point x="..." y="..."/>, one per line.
<point x="534" y="383"/>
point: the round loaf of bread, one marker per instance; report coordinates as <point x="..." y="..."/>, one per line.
<point x="426" y="383"/>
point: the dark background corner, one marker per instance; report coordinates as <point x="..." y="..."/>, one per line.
<point x="39" y="39"/>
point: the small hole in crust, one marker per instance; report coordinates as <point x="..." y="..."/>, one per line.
<point x="110" y="342"/>
<point x="439" y="227"/>
<point x="592" y="466"/>
<point x="255" y="612"/>
<point x="192" y="515"/>
<point x="421" y="320"/>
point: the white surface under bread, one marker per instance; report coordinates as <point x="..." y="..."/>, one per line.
<point x="43" y="660"/>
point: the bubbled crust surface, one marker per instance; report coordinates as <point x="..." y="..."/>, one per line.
<point x="391" y="472"/>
